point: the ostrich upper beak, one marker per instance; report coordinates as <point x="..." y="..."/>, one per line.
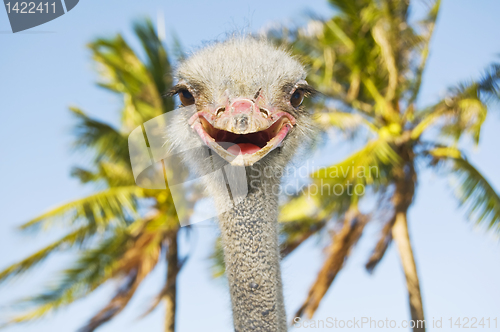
<point x="242" y="133"/>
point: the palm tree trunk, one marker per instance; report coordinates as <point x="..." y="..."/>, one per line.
<point x="402" y="239"/>
<point x="171" y="286"/>
<point x="405" y="181"/>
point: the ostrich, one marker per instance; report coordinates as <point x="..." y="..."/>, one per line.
<point x="242" y="98"/>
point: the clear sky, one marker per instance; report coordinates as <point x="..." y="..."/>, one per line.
<point x="48" y="68"/>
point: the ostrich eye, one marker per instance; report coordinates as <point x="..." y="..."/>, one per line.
<point x="297" y="98"/>
<point x="186" y="97"/>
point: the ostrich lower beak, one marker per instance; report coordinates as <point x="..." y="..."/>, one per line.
<point x="242" y="149"/>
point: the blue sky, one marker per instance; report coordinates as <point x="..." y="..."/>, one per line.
<point x="48" y="68"/>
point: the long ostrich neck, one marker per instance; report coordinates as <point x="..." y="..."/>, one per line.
<point x="251" y="253"/>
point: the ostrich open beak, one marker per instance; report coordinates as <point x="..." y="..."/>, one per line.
<point x="242" y="134"/>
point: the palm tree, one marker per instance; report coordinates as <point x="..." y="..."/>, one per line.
<point x="122" y="232"/>
<point x="368" y="61"/>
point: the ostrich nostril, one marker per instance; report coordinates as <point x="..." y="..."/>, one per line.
<point x="219" y="111"/>
<point x="265" y="113"/>
<point x="241" y="122"/>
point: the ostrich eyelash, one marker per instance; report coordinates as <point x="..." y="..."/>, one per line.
<point x="257" y="94"/>
<point x="289" y="89"/>
<point x="308" y="90"/>
<point x="176" y="89"/>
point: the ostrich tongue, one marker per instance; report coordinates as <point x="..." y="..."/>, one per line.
<point x="243" y="148"/>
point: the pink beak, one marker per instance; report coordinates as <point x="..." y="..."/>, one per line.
<point x="242" y="133"/>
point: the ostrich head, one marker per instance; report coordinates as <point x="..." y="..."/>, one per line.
<point x="243" y="99"/>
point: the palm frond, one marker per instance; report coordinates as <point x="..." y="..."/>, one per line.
<point x="473" y="190"/>
<point x="464" y="110"/>
<point x="139" y="259"/>
<point x="122" y="255"/>
<point x="385" y="239"/>
<point x="77" y="237"/>
<point x="157" y="63"/>
<point x="174" y="266"/>
<point x="84" y="175"/>
<point x="350" y="8"/>
<point x="115" y="306"/>
<point x="99" y="137"/>
<point x="299" y="207"/>
<point x="218" y="266"/>
<point x="489" y="83"/>
<point x="381" y="37"/>
<point x="93" y="268"/>
<point x="111" y="206"/>
<point x="338" y="186"/>
<point x="294" y="233"/>
<point x="116" y="174"/>
<point x="428" y="24"/>
<point x="177" y="48"/>
<point x="124" y="73"/>
<point x="346" y="122"/>
<point x="342" y="244"/>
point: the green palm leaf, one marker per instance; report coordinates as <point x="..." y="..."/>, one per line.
<point x="77" y="237"/>
<point x="111" y="206"/>
<point x="338" y="185"/>
<point x="464" y="110"/>
<point x="346" y="122"/>
<point x="94" y="267"/>
<point x="473" y="191"/>
<point x="462" y="113"/>
<point x="99" y="137"/>
<point x="124" y="73"/>
<point x="157" y="62"/>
